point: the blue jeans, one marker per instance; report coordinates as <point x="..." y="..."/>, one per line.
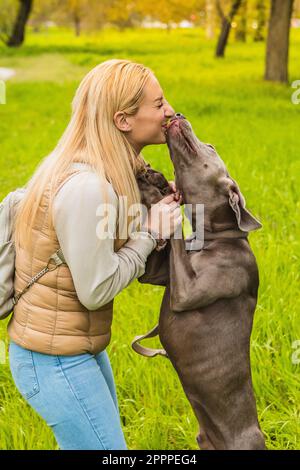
<point x="75" y="395"/>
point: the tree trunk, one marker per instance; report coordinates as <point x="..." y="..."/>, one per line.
<point x="241" y="29"/>
<point x="226" y="26"/>
<point x="278" y="41"/>
<point x="77" y="25"/>
<point x="18" y="33"/>
<point x="210" y="26"/>
<point x="261" y="20"/>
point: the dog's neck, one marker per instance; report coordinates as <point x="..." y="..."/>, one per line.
<point x="217" y="221"/>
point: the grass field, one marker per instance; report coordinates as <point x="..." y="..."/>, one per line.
<point x="255" y="128"/>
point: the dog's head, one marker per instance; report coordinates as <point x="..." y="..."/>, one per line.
<point x="153" y="186"/>
<point x="202" y="177"/>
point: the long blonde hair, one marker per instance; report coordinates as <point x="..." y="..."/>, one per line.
<point x="92" y="137"/>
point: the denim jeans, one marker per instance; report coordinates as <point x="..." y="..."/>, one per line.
<point x="75" y="395"/>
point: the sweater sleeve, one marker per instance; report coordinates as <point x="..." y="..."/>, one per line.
<point x="99" y="273"/>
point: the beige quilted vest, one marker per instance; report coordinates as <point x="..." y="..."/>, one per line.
<point x="49" y="317"/>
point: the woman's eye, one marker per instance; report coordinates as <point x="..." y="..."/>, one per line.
<point x="160" y="105"/>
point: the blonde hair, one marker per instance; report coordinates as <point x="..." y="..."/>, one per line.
<point x="92" y="137"/>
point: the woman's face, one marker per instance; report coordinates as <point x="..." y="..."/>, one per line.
<point x="146" y="126"/>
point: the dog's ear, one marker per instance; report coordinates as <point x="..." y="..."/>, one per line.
<point x="245" y="220"/>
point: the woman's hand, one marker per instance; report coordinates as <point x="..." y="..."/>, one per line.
<point x="163" y="218"/>
<point x="177" y="195"/>
<point x="172" y="186"/>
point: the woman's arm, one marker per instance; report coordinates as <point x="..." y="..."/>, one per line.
<point x="98" y="272"/>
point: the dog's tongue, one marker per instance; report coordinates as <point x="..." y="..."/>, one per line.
<point x="168" y="123"/>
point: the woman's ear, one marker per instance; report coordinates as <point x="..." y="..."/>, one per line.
<point x="245" y="220"/>
<point x="121" y="121"/>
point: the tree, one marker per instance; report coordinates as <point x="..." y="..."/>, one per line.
<point x="209" y="23"/>
<point x="168" y="11"/>
<point x="241" y="27"/>
<point x="278" y="41"/>
<point x="76" y="11"/>
<point x="43" y="11"/>
<point x="261" y="20"/>
<point x="8" y="10"/>
<point x="18" y="33"/>
<point x="123" y="13"/>
<point x="226" y="25"/>
<point x="80" y="14"/>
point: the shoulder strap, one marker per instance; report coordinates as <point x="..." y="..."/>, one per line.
<point x="58" y="259"/>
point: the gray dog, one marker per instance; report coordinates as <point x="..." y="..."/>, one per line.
<point x="207" y="309"/>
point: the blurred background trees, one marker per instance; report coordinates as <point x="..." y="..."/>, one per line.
<point x="226" y="23"/>
<point x="278" y="40"/>
<point x="249" y="20"/>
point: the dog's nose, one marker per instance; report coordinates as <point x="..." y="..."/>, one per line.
<point x="177" y="116"/>
<point x="174" y="118"/>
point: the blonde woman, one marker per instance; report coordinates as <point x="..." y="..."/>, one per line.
<point x="62" y="324"/>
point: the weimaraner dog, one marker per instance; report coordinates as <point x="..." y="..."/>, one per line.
<point x="208" y="305"/>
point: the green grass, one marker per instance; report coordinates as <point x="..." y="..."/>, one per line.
<point x="255" y="128"/>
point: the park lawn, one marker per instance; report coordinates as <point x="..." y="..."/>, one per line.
<point x="255" y="127"/>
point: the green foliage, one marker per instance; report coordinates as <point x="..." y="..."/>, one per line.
<point x="8" y="11"/>
<point x="255" y="128"/>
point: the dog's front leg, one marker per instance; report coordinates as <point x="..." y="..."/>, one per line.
<point x="181" y="274"/>
<point x="214" y="277"/>
<point x="157" y="268"/>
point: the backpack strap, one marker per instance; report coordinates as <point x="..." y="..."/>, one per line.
<point x="57" y="258"/>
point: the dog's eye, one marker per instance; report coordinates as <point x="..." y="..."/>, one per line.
<point x="211" y="146"/>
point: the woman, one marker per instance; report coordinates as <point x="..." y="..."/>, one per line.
<point x="61" y="325"/>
